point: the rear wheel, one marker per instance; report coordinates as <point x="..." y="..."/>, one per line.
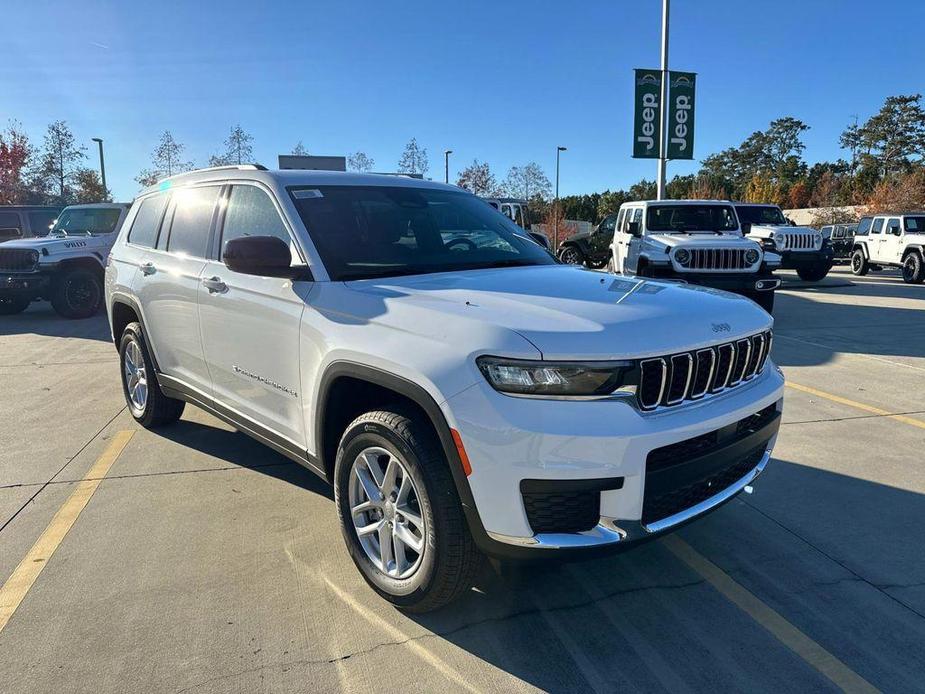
<point x="400" y="514"/>
<point x="859" y="265"/>
<point x="146" y="402"/>
<point x="570" y="255"/>
<point x="814" y="273"/>
<point x="13" y="303"/>
<point x="913" y="269"/>
<point x="78" y="293"/>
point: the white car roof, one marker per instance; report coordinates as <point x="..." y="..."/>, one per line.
<point x="648" y="203"/>
<point x="293" y="177"/>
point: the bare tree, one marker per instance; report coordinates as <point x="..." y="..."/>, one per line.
<point x="166" y="160"/>
<point x="413" y="159"/>
<point x="478" y="179"/>
<point x="358" y="161"/>
<point x="299" y="150"/>
<point x="527" y="182"/>
<point x="58" y="164"/>
<point x="89" y="187"/>
<point x="238" y="149"/>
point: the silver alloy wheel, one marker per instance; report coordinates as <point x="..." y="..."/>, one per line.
<point x="136" y="377"/>
<point x="570" y="256"/>
<point x="386" y="513"/>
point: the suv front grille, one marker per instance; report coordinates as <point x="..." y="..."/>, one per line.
<point x="17" y="260"/>
<point x="718" y="259"/>
<point x="797" y="242"/>
<point x="671" y="380"/>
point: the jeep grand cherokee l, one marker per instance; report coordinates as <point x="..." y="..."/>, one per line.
<point x="465" y="393"/>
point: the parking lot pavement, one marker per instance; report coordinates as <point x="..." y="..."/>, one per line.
<point x="204" y="562"/>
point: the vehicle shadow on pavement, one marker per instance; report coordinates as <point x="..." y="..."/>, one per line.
<point x="240" y="449"/>
<point x="842" y="564"/>
<point x="41" y="319"/>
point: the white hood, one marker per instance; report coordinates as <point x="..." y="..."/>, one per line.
<point x="52" y="245"/>
<point x="702" y="240"/>
<point x="565" y="312"/>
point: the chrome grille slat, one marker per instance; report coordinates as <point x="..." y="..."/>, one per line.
<point x="718" y="259"/>
<point x="687" y="376"/>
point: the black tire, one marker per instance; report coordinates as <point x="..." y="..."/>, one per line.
<point x="814" y="273"/>
<point x="859" y="264"/>
<point x="571" y="255"/>
<point x="12" y="304"/>
<point x="77" y="293"/>
<point x="157" y="408"/>
<point x="765" y="300"/>
<point x="913" y="269"/>
<point x="450" y="560"/>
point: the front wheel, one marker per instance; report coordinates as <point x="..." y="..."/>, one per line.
<point x="814" y="273"/>
<point x="859" y="265"/>
<point x="913" y="269"/>
<point x="78" y="293"/>
<point x="399" y="511"/>
<point x="765" y="300"/>
<point x="570" y="255"/>
<point x="13" y="303"/>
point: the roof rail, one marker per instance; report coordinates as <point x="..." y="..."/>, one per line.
<point x="238" y="167"/>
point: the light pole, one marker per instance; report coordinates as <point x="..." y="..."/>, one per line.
<point x="555" y="236"/>
<point x="99" y="141"/>
<point x="663" y="111"/>
<point x="446" y="165"/>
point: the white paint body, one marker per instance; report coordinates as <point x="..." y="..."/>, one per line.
<point x="429" y="329"/>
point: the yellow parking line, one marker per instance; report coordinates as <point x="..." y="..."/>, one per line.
<point x="25" y="575"/>
<point x="857" y="405"/>
<point x="840" y="674"/>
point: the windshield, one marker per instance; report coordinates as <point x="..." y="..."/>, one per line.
<point x="378" y="231"/>
<point x="99" y="220"/>
<point x="915" y="225"/>
<point x="690" y="218"/>
<point x="761" y="214"/>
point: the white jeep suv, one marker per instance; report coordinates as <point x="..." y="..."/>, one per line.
<point x="800" y="248"/>
<point x="465" y="393"/>
<point x="65" y="266"/>
<point x="891" y="240"/>
<point x="697" y="241"/>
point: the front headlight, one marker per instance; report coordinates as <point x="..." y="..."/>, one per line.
<point x="752" y="255"/>
<point x="683" y="256"/>
<point x="553" y="378"/>
<point x="34" y="257"/>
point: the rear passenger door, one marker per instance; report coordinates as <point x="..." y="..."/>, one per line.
<point x="891" y="247"/>
<point x="250" y="324"/>
<point x="167" y="285"/>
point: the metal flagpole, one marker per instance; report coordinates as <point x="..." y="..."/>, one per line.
<point x="663" y="111"/>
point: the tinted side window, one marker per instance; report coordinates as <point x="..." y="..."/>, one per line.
<point x="864" y="226"/>
<point x="620" y="220"/>
<point x="893" y="226"/>
<point x="637" y="215"/>
<point x="147" y="221"/>
<point x="878" y="226"/>
<point x="192" y="219"/>
<point x="608" y="224"/>
<point x="40" y="221"/>
<point x="251" y="212"/>
<point x="10" y="226"/>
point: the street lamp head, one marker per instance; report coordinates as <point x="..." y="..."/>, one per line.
<point x="97" y="139"/>
<point x="449" y="151"/>
<point x="562" y="149"/>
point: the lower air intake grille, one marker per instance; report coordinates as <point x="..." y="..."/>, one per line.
<point x="562" y="512"/>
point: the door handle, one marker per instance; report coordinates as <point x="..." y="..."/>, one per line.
<point x="215" y="285"/>
<point x="148" y="269"/>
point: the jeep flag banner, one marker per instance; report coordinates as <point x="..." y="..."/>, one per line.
<point x="681" y="115"/>
<point x="648" y="110"/>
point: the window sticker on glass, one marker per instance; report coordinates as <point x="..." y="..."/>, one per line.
<point x="306" y="194"/>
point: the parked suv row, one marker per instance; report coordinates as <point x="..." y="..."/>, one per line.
<point x="464" y="393"/>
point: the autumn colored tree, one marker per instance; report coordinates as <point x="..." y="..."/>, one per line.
<point x="899" y="193"/>
<point x="763" y="189"/>
<point x="15" y="152"/>
<point x="798" y="195"/>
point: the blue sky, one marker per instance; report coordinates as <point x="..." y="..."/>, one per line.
<point x="503" y="82"/>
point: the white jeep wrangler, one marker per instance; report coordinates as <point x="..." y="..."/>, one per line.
<point x="891" y="240"/>
<point x="801" y="248"/>
<point x="65" y="267"/>
<point x="698" y="241"/>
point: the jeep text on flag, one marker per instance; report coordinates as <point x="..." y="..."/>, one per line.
<point x="681" y="115"/>
<point x="646" y="123"/>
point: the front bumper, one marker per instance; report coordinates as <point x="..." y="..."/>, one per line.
<point x="737" y="283"/>
<point x="794" y="260"/>
<point x="31" y="283"/>
<point x="514" y="442"/>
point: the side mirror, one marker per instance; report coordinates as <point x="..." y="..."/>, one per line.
<point x="790" y="221"/>
<point x="746" y="228"/>
<point x="264" y="256"/>
<point x="633" y="229"/>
